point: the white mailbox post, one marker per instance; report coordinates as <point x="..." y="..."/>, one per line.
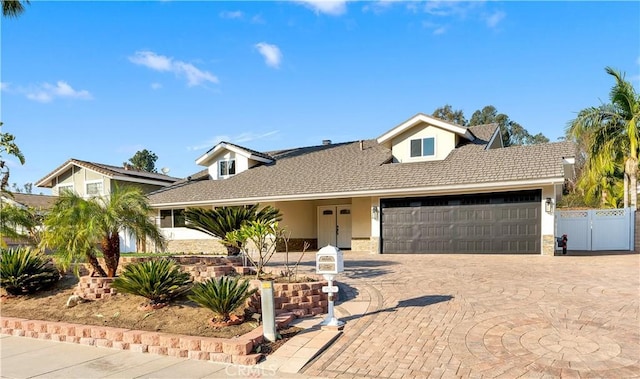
<point x="329" y="262"/>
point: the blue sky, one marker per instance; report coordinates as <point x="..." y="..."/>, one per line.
<point x="98" y="81"/>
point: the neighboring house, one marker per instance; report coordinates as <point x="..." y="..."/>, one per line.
<point x="96" y="179"/>
<point x="40" y="203"/>
<point x="425" y="186"/>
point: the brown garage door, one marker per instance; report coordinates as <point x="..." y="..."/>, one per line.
<point x="495" y="223"/>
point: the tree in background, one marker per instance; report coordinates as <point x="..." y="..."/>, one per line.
<point x="144" y="160"/>
<point x="7" y="147"/>
<point x="447" y="113"/>
<point x="609" y="135"/>
<point x="26" y="188"/>
<point x="13" y="8"/>
<point x="512" y="133"/>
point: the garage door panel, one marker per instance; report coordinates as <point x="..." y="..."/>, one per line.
<point x="488" y="223"/>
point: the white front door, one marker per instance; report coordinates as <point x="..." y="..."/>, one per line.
<point x="334" y="226"/>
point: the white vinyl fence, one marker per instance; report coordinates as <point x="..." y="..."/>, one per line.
<point x="597" y="229"/>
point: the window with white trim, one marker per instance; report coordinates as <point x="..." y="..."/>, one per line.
<point x="425" y="147"/>
<point x="227" y="167"/>
<point x="93" y="188"/>
<point x="172" y="218"/>
<point x="64" y="187"/>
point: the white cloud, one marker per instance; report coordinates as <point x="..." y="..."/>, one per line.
<point x="4" y="86"/>
<point x="194" y="75"/>
<point x="271" y="53"/>
<point x="493" y="19"/>
<point x="240" y="138"/>
<point x="156" y="85"/>
<point x="436" y="28"/>
<point x="257" y="19"/>
<point x="48" y="92"/>
<point x="332" y="8"/>
<point x="152" y="60"/>
<point x="232" y="15"/>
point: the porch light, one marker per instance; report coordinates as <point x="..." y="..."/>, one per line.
<point x="375" y="212"/>
<point x="548" y="205"/>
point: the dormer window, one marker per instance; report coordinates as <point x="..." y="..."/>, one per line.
<point x="424" y="147"/>
<point x="227" y="167"/>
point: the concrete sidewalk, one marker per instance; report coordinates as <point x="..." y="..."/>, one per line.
<point x="24" y="357"/>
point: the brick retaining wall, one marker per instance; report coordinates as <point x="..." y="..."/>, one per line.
<point x="229" y="350"/>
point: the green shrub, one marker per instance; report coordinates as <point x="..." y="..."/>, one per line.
<point x="223" y="296"/>
<point x="157" y="280"/>
<point x="23" y="271"/>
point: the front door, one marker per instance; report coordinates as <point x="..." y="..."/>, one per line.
<point x="334" y="226"/>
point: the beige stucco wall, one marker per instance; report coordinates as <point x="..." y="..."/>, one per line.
<point x="299" y="218"/>
<point x="360" y="218"/>
<point x="401" y="145"/>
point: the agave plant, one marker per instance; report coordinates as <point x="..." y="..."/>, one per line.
<point x="157" y="280"/>
<point x="220" y="221"/>
<point x="223" y="296"/>
<point x="23" y="271"/>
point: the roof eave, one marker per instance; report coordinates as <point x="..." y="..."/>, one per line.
<point x="434" y="190"/>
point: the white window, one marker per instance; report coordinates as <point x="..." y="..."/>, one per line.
<point x="227" y="167"/>
<point x="425" y="147"/>
<point x="94" y="188"/>
<point x="64" y="187"/>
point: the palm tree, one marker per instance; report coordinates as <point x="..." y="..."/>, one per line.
<point x="610" y="133"/>
<point x="218" y="222"/>
<point x="21" y="223"/>
<point x="13" y="8"/>
<point x="75" y="227"/>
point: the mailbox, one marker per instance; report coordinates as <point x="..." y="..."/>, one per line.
<point x="329" y="260"/>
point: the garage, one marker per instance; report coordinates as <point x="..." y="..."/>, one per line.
<point x="491" y="223"/>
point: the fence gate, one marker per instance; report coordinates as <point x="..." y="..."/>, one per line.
<point x="597" y="229"/>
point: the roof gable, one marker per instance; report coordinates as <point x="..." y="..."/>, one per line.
<point x="420" y="118"/>
<point x="112" y="172"/>
<point x="207" y="157"/>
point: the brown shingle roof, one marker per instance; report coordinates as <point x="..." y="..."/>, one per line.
<point x="344" y="168"/>
<point x="110" y="171"/>
<point x="43" y="202"/>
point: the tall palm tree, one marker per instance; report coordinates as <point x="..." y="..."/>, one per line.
<point x="218" y="222"/>
<point x="75" y="227"/>
<point x="611" y="134"/>
<point x="13" y="8"/>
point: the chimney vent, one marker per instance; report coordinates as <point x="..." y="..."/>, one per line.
<point x="326" y="142"/>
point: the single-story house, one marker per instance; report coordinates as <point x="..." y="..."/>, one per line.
<point x="424" y="186"/>
<point x="89" y="179"/>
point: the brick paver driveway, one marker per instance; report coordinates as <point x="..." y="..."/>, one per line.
<point x="487" y="316"/>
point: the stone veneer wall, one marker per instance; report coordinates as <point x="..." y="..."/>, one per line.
<point x="548" y="244"/>
<point x="201" y="246"/>
<point x="361" y="244"/>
